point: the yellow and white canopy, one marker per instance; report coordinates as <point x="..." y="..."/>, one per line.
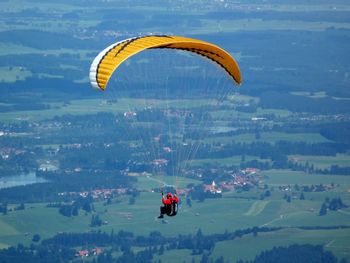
<point x="109" y="59"/>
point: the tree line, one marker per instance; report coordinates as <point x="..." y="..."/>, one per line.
<point x="59" y="247"/>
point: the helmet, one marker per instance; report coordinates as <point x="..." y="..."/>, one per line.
<point x="169" y="195"/>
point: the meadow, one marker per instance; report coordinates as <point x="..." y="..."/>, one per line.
<point x="105" y="103"/>
<point x="242" y="210"/>
<point x="212" y="26"/>
<point x="322" y="162"/>
<point x="269" y="137"/>
<point x="230" y="161"/>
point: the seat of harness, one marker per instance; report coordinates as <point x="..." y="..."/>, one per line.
<point x="172" y="210"/>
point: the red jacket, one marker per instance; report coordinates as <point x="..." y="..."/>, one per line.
<point x="175" y="198"/>
<point x="170" y="200"/>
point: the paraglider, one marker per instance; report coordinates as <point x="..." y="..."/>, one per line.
<point x="112" y="57"/>
<point x="170" y="205"/>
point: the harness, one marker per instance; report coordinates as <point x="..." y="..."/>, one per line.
<point x="172" y="210"/>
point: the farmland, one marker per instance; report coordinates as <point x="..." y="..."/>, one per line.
<point x="256" y="166"/>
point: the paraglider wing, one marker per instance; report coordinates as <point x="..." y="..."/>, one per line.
<point x="108" y="60"/>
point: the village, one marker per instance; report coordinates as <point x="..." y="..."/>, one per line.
<point x="89" y="252"/>
<point x="245" y="178"/>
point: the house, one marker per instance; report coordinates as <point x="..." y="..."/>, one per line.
<point x="167" y="149"/>
<point x="250" y="171"/>
<point x="129" y="114"/>
<point x="228" y="186"/>
<point x="92" y="252"/>
<point x="212" y="188"/>
<point x="134" y="174"/>
<point x="160" y="162"/>
<point x="96" y="251"/>
<point x="82" y="253"/>
<point x="258" y="119"/>
<point x="183" y="191"/>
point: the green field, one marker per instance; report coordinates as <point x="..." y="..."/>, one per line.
<point x="285" y="177"/>
<point x="150" y="182"/>
<point x="93" y="106"/>
<point x="241" y="211"/>
<point x="212" y="26"/>
<point x="315" y="95"/>
<point x="13" y="74"/>
<point x="322" y="162"/>
<point x="234" y="160"/>
<point x="175" y="256"/>
<point x="269" y="137"/>
<point x="140" y="218"/>
<point x="248" y="246"/>
<point x="273" y="137"/>
<point x="256" y="208"/>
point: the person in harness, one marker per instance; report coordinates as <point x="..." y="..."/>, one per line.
<point x="169" y="205"/>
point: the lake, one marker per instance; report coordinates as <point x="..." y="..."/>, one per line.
<point x="17" y="180"/>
